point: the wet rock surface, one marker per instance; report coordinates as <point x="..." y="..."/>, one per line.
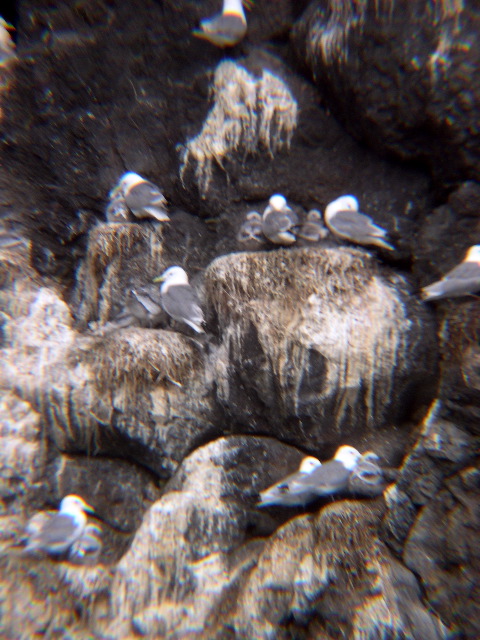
<point x="170" y="435"/>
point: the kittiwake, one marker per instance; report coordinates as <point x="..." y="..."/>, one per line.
<point x="332" y="477"/>
<point x="88" y="546"/>
<point x="284" y="492"/>
<point x="343" y="219"/>
<point x="278" y="221"/>
<point x="462" y="280"/>
<point x="55" y="533"/>
<point x="139" y="196"/>
<point x="367" y="478"/>
<point x="251" y="229"/>
<point x="178" y="298"/>
<point x="313" y="228"/>
<point x="224" y="29"/>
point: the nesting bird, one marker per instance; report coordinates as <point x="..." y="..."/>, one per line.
<point x="367" y="477"/>
<point x="462" y="280"/>
<point x="224" y="29"/>
<point x="285" y="493"/>
<point x="88" y="546"/>
<point x="326" y="479"/>
<point x="279" y="220"/>
<point x="138" y="196"/>
<point x="55" y="533"/>
<point x="251" y="230"/>
<point x="344" y="220"/>
<point x="313" y="228"/>
<point x="178" y="298"/>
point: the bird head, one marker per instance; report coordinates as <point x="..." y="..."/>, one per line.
<point x="173" y="275"/>
<point x="73" y="504"/>
<point x="348" y="456"/>
<point x="309" y="464"/>
<point x="344" y="203"/>
<point x="129" y="180"/>
<point x="277" y="202"/>
<point x="473" y="254"/>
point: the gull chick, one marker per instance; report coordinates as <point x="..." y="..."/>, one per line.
<point x="285" y="493"/>
<point x="278" y="221"/>
<point x="462" y="280"/>
<point x="178" y="298"/>
<point x="139" y="196"/>
<point x="251" y="230"/>
<point x="313" y="228"/>
<point x="224" y="29"/>
<point x="55" y="533"/>
<point x="344" y="220"/>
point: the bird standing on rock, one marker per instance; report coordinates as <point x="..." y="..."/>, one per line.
<point x="283" y="492"/>
<point x="462" y="280"/>
<point x="56" y="533"/>
<point x="179" y="299"/>
<point x="224" y="29"/>
<point x="278" y="221"/>
<point x="139" y="196"/>
<point x="344" y="220"/>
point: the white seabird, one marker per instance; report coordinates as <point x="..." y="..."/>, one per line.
<point x="224" y="29"/>
<point x="332" y="477"/>
<point x="278" y="221"/>
<point x="179" y="299"/>
<point x="251" y="229"/>
<point x="462" y="280"/>
<point x="283" y="492"/>
<point x="55" y="533"/>
<point x="313" y="228"/>
<point x="141" y="197"/>
<point x="343" y="219"/>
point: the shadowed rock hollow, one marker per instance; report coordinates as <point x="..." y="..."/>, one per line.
<point x="172" y="436"/>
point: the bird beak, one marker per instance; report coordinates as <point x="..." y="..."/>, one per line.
<point x="159" y="278"/>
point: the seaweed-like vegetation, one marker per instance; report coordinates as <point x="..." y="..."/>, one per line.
<point x="248" y="113"/>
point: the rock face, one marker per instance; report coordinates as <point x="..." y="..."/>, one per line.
<point x="170" y="435"/>
<point x="396" y="75"/>
<point x="332" y="354"/>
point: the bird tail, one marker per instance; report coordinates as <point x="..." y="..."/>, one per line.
<point x="157" y="213"/>
<point x="433" y="291"/>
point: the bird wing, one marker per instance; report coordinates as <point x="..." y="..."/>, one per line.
<point x="464" y="271"/>
<point x="287" y="492"/>
<point x="181" y="302"/>
<point x="331" y="477"/>
<point x="144" y="195"/>
<point x="352" y="224"/>
<point x="58" y="531"/>
<point x="149" y="298"/>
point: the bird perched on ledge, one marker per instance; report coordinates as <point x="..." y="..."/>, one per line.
<point x="278" y="221"/>
<point x="462" y="280"/>
<point x="55" y="533"/>
<point x="137" y="195"/>
<point x="224" y="29"/>
<point x="344" y="220"/>
<point x="284" y="492"/>
<point x="178" y="298"/>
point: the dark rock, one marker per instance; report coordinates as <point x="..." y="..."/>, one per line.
<point x="397" y="76"/>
